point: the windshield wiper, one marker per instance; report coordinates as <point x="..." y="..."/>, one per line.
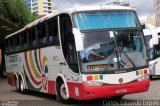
<point x="121" y="51"/>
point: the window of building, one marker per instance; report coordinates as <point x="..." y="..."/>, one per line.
<point x="49" y="4"/>
<point x="35" y="8"/>
<point x="35" y="4"/>
<point x="35" y="12"/>
<point x="34" y="0"/>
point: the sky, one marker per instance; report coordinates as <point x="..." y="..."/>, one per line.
<point x="144" y="8"/>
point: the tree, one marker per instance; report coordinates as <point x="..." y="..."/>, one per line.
<point x="16" y="11"/>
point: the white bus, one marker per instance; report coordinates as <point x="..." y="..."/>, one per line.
<point x="80" y="53"/>
<point x="153" y="50"/>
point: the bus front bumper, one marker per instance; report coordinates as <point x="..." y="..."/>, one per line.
<point x="82" y="92"/>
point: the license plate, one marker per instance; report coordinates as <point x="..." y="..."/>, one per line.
<point x="121" y="90"/>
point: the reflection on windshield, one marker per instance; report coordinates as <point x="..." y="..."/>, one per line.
<point x="112" y="50"/>
<point x="98" y="46"/>
<point x="128" y="41"/>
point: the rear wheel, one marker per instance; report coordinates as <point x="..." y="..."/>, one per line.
<point x="21" y="86"/>
<point x="16" y="84"/>
<point x="62" y="95"/>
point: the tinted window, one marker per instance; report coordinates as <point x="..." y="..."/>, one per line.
<point x="42" y="34"/>
<point x="68" y="42"/>
<point x="17" y="42"/>
<point x="32" y="37"/>
<point x="11" y="44"/>
<point x="24" y="40"/>
<point x="53" y="31"/>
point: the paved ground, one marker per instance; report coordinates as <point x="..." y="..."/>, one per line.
<point x="10" y="96"/>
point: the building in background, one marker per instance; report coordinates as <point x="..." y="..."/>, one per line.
<point x="157" y="12"/>
<point x="41" y="7"/>
<point x="149" y="20"/>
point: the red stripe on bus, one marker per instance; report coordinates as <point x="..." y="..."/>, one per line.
<point x="29" y="71"/>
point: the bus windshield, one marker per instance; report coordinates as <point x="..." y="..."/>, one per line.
<point x="112" y="41"/>
<point x="105" y="19"/>
<point x="112" y="50"/>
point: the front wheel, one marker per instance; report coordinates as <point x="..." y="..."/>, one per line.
<point x="62" y="95"/>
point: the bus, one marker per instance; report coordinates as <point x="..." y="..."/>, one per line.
<point x="80" y="53"/>
<point x="153" y="50"/>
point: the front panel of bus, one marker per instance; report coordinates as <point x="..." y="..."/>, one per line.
<point x="113" y="61"/>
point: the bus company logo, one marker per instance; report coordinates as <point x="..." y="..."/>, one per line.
<point x="120" y="80"/>
<point x="36" y="75"/>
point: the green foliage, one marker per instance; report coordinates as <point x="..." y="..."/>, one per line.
<point x="16" y="11"/>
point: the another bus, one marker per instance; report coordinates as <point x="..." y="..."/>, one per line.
<point x="80" y="53"/>
<point x="153" y="51"/>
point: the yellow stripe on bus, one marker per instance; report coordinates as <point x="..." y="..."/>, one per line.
<point x="33" y="66"/>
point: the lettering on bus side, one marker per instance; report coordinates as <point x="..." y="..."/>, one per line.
<point x="13" y="59"/>
<point x="55" y="58"/>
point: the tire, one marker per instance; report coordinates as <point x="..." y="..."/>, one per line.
<point x="17" y="84"/>
<point x="117" y="97"/>
<point x="151" y="77"/>
<point x="62" y="93"/>
<point x="21" y="87"/>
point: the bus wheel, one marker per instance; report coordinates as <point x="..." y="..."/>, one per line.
<point x="16" y="84"/>
<point x="151" y="77"/>
<point x="21" y="86"/>
<point x="117" y="97"/>
<point x="62" y="93"/>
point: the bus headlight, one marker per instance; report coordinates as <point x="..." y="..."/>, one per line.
<point x="143" y="78"/>
<point x="92" y="83"/>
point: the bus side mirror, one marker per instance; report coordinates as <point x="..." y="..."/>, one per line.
<point x="78" y="39"/>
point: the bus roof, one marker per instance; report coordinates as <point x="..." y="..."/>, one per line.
<point x="70" y="11"/>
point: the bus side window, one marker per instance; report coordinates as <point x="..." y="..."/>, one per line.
<point x="32" y="38"/>
<point x="68" y="42"/>
<point x="24" y="41"/>
<point x="6" y="46"/>
<point x="11" y="44"/>
<point x="53" y="30"/>
<point x="42" y="34"/>
<point x="17" y="43"/>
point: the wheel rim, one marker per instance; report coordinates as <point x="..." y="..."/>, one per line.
<point x="17" y="84"/>
<point x="21" y="85"/>
<point x="63" y="92"/>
